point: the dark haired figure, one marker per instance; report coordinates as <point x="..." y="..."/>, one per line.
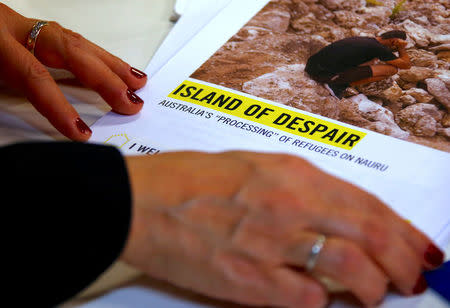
<point x="350" y="61"/>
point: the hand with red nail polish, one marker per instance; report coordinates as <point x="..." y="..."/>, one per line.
<point x="255" y="225"/>
<point x="137" y="73"/>
<point x="61" y="48"/>
<point x="434" y="256"/>
<point x="420" y="286"/>
<point x="133" y="97"/>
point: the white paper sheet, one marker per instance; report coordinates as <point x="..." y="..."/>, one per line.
<point x="196" y="15"/>
<point x="164" y="129"/>
<point x="407" y="182"/>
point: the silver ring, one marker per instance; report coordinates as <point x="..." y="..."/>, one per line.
<point x="314" y="254"/>
<point x="34" y="33"/>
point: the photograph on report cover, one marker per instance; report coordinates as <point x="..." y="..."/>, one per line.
<point x="382" y="65"/>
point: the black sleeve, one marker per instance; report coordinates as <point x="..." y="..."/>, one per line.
<point x="384" y="53"/>
<point x="67" y="210"/>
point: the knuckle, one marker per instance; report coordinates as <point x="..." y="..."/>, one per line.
<point x="72" y="40"/>
<point x="55" y="25"/>
<point x="376" y="236"/>
<point x="287" y="160"/>
<point x="292" y="163"/>
<point x="275" y="200"/>
<point x="349" y="260"/>
<point x="124" y="66"/>
<point x="37" y="72"/>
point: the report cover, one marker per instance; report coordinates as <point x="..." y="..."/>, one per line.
<point x="291" y="76"/>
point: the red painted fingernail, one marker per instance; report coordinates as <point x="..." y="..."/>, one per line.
<point x="82" y="127"/>
<point x="133" y="97"/>
<point x="434" y="256"/>
<point x="137" y="73"/>
<point x="379" y="302"/>
<point x="421" y="285"/>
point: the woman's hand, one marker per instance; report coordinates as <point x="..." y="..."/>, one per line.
<point x="58" y="47"/>
<point x="240" y="226"/>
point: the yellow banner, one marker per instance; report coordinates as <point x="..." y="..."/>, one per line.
<point x="270" y="115"/>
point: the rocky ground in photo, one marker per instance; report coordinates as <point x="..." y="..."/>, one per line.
<point x="266" y="58"/>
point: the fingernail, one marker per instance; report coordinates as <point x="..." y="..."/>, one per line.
<point x="421" y="285"/>
<point x="434" y="256"/>
<point x="82" y="127"/>
<point x="379" y="302"/>
<point x="133" y="97"/>
<point x="137" y="73"/>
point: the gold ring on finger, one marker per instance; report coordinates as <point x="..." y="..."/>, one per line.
<point x="314" y="254"/>
<point x="34" y="33"/>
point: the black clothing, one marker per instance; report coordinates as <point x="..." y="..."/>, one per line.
<point x="348" y="76"/>
<point x="338" y="83"/>
<point x="69" y="210"/>
<point x="345" y="54"/>
<point x="338" y="89"/>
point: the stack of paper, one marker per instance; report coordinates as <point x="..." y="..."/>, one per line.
<point x="195" y="100"/>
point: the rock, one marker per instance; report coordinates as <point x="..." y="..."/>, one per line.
<point x="421" y="20"/>
<point x="299" y="8"/>
<point x="316" y="43"/>
<point x="382" y="120"/>
<point x="440" y="39"/>
<point x="443" y="47"/>
<point x="249" y="33"/>
<point x="274" y="17"/>
<point x="307" y="25"/>
<point x="348" y="19"/>
<point x="444" y="132"/>
<point x="360" y="32"/>
<point x="423" y="58"/>
<point x="419" y="34"/>
<point x="444" y="76"/>
<point x="438" y="89"/>
<point x="415" y="74"/>
<point x="350" y="91"/>
<point x="445" y="65"/>
<point x="393" y="93"/>
<point x="278" y="83"/>
<point x="351" y="5"/>
<point x="375" y="15"/>
<point x="417" y="11"/>
<point x="420" y="95"/>
<point x="350" y="113"/>
<point x="405" y="85"/>
<point x="376" y="88"/>
<point x="425" y="126"/>
<point x="422" y="36"/>
<point x="420" y="119"/>
<point x="407" y="100"/>
<point x="321" y="13"/>
<point x="444" y="55"/>
<point x="377" y="100"/>
<point x="445" y="3"/>
<point x="291" y="86"/>
<point x="387" y="90"/>
<point x="446" y="120"/>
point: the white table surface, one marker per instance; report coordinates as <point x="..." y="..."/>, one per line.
<point x="132" y="30"/>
